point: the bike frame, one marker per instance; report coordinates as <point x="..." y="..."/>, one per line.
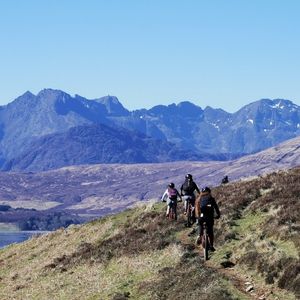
<point x="189" y="212"/>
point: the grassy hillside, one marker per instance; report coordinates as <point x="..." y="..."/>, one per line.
<point x="138" y="254"/>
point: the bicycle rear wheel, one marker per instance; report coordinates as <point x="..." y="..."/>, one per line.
<point x="205" y="244"/>
<point x="172" y="214"/>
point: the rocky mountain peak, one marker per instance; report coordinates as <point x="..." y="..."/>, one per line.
<point x="268" y="104"/>
<point x="113" y="105"/>
<point x="26" y="97"/>
<point x="283" y="104"/>
<point x="218" y="113"/>
<point x="28" y="94"/>
<point x="52" y="94"/>
<point x="183" y="109"/>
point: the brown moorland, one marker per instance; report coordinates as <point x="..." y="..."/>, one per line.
<point x="139" y="254"/>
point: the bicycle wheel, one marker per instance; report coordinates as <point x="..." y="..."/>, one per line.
<point x="175" y="212"/>
<point x="172" y="213"/>
<point x="189" y="216"/>
<point x="205" y="243"/>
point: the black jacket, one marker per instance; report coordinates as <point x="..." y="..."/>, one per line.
<point x="188" y="188"/>
<point x="208" y="205"/>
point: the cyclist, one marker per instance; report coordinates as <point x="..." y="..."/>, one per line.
<point x="207" y="205"/>
<point x="225" y="180"/>
<point x="171" y="194"/>
<point x="187" y="190"/>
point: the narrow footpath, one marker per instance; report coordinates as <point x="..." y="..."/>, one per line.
<point x="243" y="283"/>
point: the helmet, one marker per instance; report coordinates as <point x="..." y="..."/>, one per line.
<point x="205" y="190"/>
<point x="189" y="176"/>
<point x="171" y="185"/>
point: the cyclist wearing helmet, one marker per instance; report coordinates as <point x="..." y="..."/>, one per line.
<point x="171" y="194"/>
<point x="225" y="180"/>
<point x="206" y="206"/>
<point x="187" y="190"/>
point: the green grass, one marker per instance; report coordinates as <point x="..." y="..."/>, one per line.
<point x="249" y="223"/>
<point x="221" y="254"/>
<point x="121" y="275"/>
<point x="287" y="247"/>
<point x="236" y="294"/>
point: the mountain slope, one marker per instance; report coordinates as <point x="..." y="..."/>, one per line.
<point x="141" y="255"/>
<point x="51" y="111"/>
<point x="92" y="144"/>
<point x="265" y="123"/>
<point x="254" y="127"/>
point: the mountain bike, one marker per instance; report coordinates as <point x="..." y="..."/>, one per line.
<point x="190" y="211"/>
<point x="205" y="241"/>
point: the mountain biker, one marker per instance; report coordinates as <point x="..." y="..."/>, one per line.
<point x="225" y="180"/>
<point x="207" y="205"/>
<point x="187" y="191"/>
<point x="171" y="193"/>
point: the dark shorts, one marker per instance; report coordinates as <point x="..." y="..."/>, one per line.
<point x="172" y="202"/>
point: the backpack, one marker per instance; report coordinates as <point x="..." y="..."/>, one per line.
<point x="206" y="205"/>
<point x="172" y="193"/>
<point x="188" y="187"/>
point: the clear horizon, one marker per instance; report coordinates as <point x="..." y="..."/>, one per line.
<point x="223" y="54"/>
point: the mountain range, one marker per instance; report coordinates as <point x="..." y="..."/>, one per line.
<point x="53" y="129"/>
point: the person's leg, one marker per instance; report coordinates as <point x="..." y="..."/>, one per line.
<point x="185" y="204"/>
<point x="200" y="231"/>
<point x="197" y="208"/>
<point x="168" y="207"/>
<point x="168" y="210"/>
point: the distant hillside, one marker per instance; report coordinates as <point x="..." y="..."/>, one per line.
<point x="139" y="254"/>
<point x="95" y="144"/>
<point x="97" y="190"/>
<point x="208" y="131"/>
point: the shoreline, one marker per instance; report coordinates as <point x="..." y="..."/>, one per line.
<point x="8" y="238"/>
<point x="9" y="227"/>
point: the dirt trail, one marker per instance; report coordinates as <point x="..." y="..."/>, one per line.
<point x="240" y="281"/>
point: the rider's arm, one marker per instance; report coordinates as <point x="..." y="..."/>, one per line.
<point x="164" y="195"/>
<point x="197" y="206"/>
<point x="196" y="188"/>
<point x="178" y="195"/>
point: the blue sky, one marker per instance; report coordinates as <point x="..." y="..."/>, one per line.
<point x="222" y="53"/>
